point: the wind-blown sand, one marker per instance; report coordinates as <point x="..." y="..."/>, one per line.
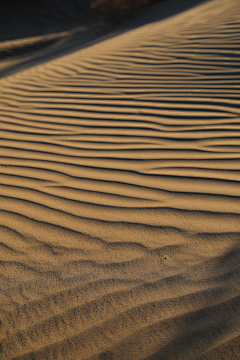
<point x="120" y="212"/>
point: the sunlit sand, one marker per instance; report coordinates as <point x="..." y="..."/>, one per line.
<point x="119" y="195"/>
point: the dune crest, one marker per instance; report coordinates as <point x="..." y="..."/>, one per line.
<point x="119" y="196"/>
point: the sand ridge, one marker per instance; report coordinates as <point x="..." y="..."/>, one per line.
<point x="119" y="196"/>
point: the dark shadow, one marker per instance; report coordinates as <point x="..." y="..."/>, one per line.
<point x="95" y="32"/>
<point x="19" y="18"/>
<point x="211" y="332"/>
<point x="106" y="355"/>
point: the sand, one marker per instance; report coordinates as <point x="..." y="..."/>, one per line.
<point x="119" y="195"/>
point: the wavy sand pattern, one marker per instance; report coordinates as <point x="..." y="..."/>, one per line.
<point x="119" y="184"/>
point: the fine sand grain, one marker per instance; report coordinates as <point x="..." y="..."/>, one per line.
<point x="119" y="196"/>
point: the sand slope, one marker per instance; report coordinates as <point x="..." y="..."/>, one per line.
<point x="119" y="183"/>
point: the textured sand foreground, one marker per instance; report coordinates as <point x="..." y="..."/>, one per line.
<point x="120" y="211"/>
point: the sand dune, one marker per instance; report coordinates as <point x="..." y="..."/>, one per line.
<point x="119" y="196"/>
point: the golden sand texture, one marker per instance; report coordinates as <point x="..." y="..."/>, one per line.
<point x="119" y="196"/>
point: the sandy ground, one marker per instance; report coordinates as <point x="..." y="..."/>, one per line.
<point x="119" y="193"/>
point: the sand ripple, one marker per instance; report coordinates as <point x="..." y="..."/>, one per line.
<point x="119" y="196"/>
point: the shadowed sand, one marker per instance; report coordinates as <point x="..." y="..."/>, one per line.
<point x="119" y="196"/>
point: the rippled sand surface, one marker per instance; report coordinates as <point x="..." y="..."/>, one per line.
<point x="120" y="185"/>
